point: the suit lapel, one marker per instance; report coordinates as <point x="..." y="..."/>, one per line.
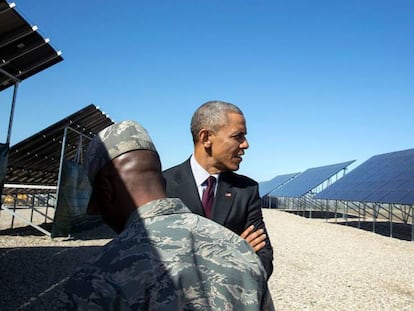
<point x="223" y="201"/>
<point x="187" y="187"/>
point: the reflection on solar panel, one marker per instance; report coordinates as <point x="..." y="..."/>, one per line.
<point x="308" y="180"/>
<point x="384" y="178"/>
<point x="266" y="187"/>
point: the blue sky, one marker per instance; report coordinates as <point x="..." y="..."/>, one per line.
<point x="320" y="82"/>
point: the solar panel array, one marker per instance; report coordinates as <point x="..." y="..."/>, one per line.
<point x="266" y="187"/>
<point x="384" y="178"/>
<point x="308" y="180"/>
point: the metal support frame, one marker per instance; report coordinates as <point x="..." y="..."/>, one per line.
<point x="9" y="130"/>
<point x="62" y="155"/>
<point x="412" y="224"/>
<point x="55" y="189"/>
<point x="14" y="214"/>
<point x="13" y="211"/>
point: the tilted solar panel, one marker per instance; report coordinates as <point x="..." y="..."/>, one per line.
<point x="36" y="159"/>
<point x="308" y="180"/>
<point x="384" y="178"/>
<point x="266" y="187"/>
<point x="23" y="50"/>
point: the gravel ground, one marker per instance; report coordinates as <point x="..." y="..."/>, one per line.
<point x="318" y="266"/>
<point x="325" y="266"/>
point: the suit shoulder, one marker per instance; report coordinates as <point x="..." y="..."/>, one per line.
<point x="174" y="169"/>
<point x="169" y="171"/>
<point x="238" y="179"/>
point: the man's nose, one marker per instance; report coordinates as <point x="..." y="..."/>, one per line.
<point x="244" y="144"/>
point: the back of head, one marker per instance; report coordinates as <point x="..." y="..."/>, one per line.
<point x="125" y="171"/>
<point x="113" y="141"/>
<point x="211" y="115"/>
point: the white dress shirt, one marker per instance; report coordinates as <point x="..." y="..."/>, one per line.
<point x="200" y="176"/>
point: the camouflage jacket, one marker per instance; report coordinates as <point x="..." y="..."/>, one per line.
<point x="168" y="258"/>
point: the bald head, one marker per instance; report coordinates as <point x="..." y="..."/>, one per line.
<point x="125" y="184"/>
<point x="125" y="170"/>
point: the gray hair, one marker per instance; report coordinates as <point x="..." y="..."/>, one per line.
<point x="211" y="115"/>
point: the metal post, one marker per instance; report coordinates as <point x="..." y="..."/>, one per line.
<point x="310" y="207"/>
<point x="16" y="84"/>
<point x="346" y="213"/>
<point x="364" y="212"/>
<point x="62" y="157"/>
<point x="47" y="205"/>
<point x="14" y="209"/>
<point x="412" y="224"/>
<point x="390" y="207"/>
<point x="32" y="207"/>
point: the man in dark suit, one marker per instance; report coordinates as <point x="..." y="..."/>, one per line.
<point x="219" y="136"/>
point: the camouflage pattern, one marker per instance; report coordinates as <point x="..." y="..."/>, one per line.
<point x="113" y="141"/>
<point x="168" y="258"/>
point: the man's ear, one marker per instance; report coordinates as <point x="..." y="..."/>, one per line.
<point x="93" y="206"/>
<point x="106" y="189"/>
<point x="205" y="138"/>
<point x="101" y="196"/>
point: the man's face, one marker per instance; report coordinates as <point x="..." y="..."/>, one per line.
<point x="228" y="144"/>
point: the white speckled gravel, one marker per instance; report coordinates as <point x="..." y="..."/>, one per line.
<point x="326" y="266"/>
<point x="318" y="266"/>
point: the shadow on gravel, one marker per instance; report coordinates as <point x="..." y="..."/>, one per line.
<point x="91" y="232"/>
<point x="399" y="231"/>
<point x="27" y="230"/>
<point x="319" y="214"/>
<point x="31" y="277"/>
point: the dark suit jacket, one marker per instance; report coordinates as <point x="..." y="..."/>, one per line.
<point x="236" y="205"/>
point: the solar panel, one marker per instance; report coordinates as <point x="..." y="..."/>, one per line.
<point x="24" y="52"/>
<point x="384" y="178"/>
<point x="36" y="159"/>
<point x="266" y="187"/>
<point x="308" y="180"/>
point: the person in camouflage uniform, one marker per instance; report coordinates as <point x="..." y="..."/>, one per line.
<point x="164" y="257"/>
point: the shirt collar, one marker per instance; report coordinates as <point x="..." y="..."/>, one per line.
<point x="200" y="174"/>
